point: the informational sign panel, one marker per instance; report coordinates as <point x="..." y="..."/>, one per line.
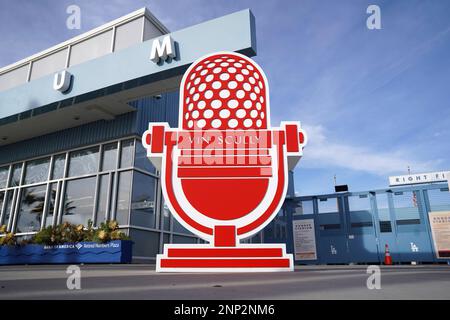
<point x="418" y="178"/>
<point x="440" y="228"/>
<point x="304" y="239"/>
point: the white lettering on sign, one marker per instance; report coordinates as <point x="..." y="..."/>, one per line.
<point x="62" y="81"/>
<point x="163" y="50"/>
<point x="414" y="247"/>
<point x="418" y="178"/>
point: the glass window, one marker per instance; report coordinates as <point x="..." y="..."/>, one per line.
<point x="439" y="199"/>
<point x="102" y="198"/>
<point x="9" y="202"/>
<point x="406" y="207"/>
<point x="328" y="205"/>
<point x="360" y="211"/>
<point x="83" y="162"/>
<point x="2" y="198"/>
<point x="166" y="238"/>
<point x="109" y="156"/>
<point x="383" y="212"/>
<point x="126" y="155"/>
<point x="165" y="216"/>
<point x="304" y="207"/>
<point x="79" y="200"/>
<point x="143" y="201"/>
<point x="257" y="237"/>
<point x="15" y="179"/>
<point x="4" y="176"/>
<point x="182" y="239"/>
<point x="177" y="227"/>
<point x="31" y="209"/>
<point x="141" y="161"/>
<point x="359" y="203"/>
<point x="51" y="204"/>
<point x="146" y="243"/>
<point x="37" y="170"/>
<point x="58" y="166"/>
<point x="383" y="207"/>
<point x="123" y="197"/>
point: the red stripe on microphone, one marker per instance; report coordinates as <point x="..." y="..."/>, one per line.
<point x="224" y="252"/>
<point x="224" y="152"/>
<point x="157" y="139"/>
<point x="224" y="161"/>
<point x="292" y="144"/>
<point x="225" y="263"/>
<point x="224" y="172"/>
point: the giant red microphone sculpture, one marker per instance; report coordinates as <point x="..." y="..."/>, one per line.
<point x="224" y="172"/>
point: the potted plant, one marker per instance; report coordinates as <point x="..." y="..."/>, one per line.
<point x="68" y="243"/>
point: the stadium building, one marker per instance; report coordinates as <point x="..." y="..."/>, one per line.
<point x="72" y="116"/>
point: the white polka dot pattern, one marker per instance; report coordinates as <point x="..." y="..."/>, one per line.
<point x="224" y="91"/>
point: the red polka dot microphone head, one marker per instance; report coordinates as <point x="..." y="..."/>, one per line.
<point x="224" y="91"/>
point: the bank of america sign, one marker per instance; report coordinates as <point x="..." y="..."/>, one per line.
<point x="439" y="176"/>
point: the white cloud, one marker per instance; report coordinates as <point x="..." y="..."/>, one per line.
<point x="323" y="152"/>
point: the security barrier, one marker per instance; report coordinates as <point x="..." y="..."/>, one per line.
<point x="354" y="227"/>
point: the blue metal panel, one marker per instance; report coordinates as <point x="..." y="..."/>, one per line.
<point x="164" y="109"/>
<point x="413" y="238"/>
<point x="362" y="238"/>
<point x="332" y="247"/>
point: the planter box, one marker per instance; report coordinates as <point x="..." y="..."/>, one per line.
<point x="116" y="251"/>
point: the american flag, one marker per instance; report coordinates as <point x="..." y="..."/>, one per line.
<point x="414" y="199"/>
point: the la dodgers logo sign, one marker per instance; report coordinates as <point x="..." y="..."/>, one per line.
<point x="224" y="171"/>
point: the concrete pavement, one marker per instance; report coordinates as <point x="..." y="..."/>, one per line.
<point x="140" y="281"/>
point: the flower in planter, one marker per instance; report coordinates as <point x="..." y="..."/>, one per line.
<point x="3" y="229"/>
<point x="117" y="235"/>
<point x="9" y="239"/>
<point x="102" y="235"/>
<point x="113" y="225"/>
<point x="79" y="228"/>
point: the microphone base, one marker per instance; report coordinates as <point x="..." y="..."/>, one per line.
<point x="207" y="258"/>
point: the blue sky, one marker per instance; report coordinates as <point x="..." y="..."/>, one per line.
<point x="372" y="101"/>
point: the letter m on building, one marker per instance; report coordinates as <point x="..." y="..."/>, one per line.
<point x="162" y="50"/>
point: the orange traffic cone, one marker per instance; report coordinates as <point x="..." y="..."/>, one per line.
<point x="387" y="256"/>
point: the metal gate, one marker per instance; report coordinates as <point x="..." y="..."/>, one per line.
<point x="355" y="227"/>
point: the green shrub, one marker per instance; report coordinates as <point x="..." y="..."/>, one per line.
<point x="8" y="239"/>
<point x="68" y="232"/>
